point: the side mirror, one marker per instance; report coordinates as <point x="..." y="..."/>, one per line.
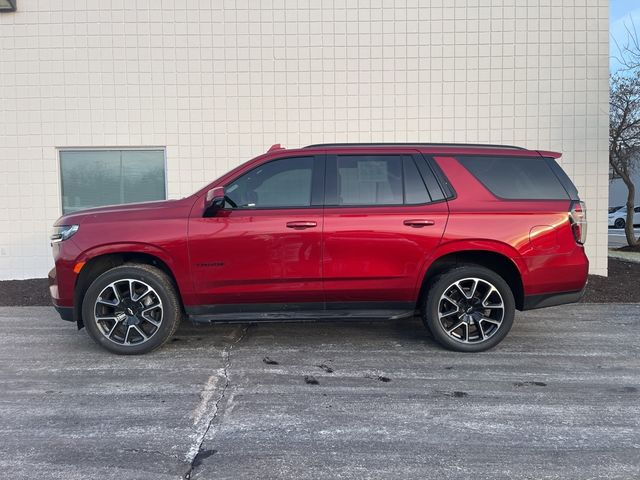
<point x="214" y="201"/>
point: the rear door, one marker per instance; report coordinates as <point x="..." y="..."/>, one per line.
<point x="381" y="222"/>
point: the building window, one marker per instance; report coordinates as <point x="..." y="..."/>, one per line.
<point x="93" y="178"/>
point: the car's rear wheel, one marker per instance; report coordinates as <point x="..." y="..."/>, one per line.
<point x="619" y="223"/>
<point x="469" y="309"/>
<point x="131" y="309"/>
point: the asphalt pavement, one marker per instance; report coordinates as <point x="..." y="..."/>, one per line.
<point x="617" y="237"/>
<point x="559" y="398"/>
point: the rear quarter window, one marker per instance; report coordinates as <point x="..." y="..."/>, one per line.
<point x="516" y="178"/>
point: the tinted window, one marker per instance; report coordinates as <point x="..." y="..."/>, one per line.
<point x="516" y="178"/>
<point x="369" y="180"/>
<point x="564" y="179"/>
<point x="93" y="178"/>
<point x="430" y="180"/>
<point x="415" y="191"/>
<point x="281" y="183"/>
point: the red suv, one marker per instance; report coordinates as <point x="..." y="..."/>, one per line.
<point x="462" y="234"/>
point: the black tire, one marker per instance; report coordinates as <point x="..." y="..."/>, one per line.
<point x="619" y="223"/>
<point x="431" y="309"/>
<point x="163" y="294"/>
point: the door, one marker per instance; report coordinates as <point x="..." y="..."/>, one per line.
<point x="381" y="223"/>
<point x="264" y="247"/>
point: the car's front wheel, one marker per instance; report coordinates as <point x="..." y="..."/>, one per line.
<point x="131" y="309"/>
<point x="469" y="309"/>
<point x="619" y="223"/>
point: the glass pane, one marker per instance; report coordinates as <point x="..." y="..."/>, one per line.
<point x="516" y="177"/>
<point x="281" y="183"/>
<point x="110" y="177"/>
<point x="415" y="191"/>
<point x="89" y="179"/>
<point x="143" y="175"/>
<point x="369" y="180"/>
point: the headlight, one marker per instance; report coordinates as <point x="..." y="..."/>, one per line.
<point x="63" y="232"/>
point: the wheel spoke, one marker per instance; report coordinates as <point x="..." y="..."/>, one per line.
<point x="473" y="290"/>
<point x="455" y="327"/>
<point x="143" y="294"/>
<point x="108" y="302"/>
<point x="132" y="289"/>
<point x="116" y="293"/>
<point x="139" y="330"/>
<point x="448" y="314"/>
<point x="490" y="320"/>
<point x="126" y="336"/>
<point x="151" y="307"/>
<point x="460" y="289"/>
<point x="479" y="325"/>
<point x="109" y="318"/>
<point x="151" y="320"/>
<point x="115" y="325"/>
<point x="451" y="301"/>
<point x="466" y="332"/>
<point x="486" y="299"/>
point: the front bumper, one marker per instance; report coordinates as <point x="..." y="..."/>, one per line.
<point x="552" y="299"/>
<point x="65" y="312"/>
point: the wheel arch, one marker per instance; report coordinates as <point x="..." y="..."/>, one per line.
<point x="499" y="262"/>
<point x="101" y="261"/>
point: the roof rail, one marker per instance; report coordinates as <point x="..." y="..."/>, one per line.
<point x="384" y="144"/>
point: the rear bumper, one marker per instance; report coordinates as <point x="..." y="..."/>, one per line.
<point x="552" y="299"/>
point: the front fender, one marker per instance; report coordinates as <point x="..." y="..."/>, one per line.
<point x="127" y="247"/>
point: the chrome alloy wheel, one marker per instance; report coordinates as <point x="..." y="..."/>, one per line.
<point x="128" y="312"/>
<point x="471" y="310"/>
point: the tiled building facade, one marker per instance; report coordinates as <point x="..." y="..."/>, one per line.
<point x="214" y="83"/>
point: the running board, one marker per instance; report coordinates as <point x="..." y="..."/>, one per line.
<point x="310" y="315"/>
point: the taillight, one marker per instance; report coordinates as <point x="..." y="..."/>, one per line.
<point x="578" y="218"/>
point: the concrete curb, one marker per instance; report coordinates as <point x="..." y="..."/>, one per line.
<point x="628" y="256"/>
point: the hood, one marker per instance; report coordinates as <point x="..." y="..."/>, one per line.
<point x="90" y="213"/>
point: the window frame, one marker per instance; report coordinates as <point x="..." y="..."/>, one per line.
<point x="331" y="178"/>
<point x="317" y="184"/>
<point x="61" y="150"/>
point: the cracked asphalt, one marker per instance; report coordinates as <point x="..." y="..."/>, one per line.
<point x="559" y="398"/>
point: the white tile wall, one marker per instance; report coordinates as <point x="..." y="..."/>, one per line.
<point x="219" y="82"/>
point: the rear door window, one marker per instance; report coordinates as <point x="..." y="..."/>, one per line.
<point x="516" y="178"/>
<point x="369" y="180"/>
<point x="377" y="180"/>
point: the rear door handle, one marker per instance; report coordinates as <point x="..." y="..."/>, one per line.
<point x="418" y="223"/>
<point x="301" y="225"/>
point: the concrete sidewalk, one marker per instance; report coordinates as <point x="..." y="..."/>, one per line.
<point x="559" y="398"/>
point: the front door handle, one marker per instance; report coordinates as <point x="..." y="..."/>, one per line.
<point x="301" y="225"/>
<point x="418" y="223"/>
